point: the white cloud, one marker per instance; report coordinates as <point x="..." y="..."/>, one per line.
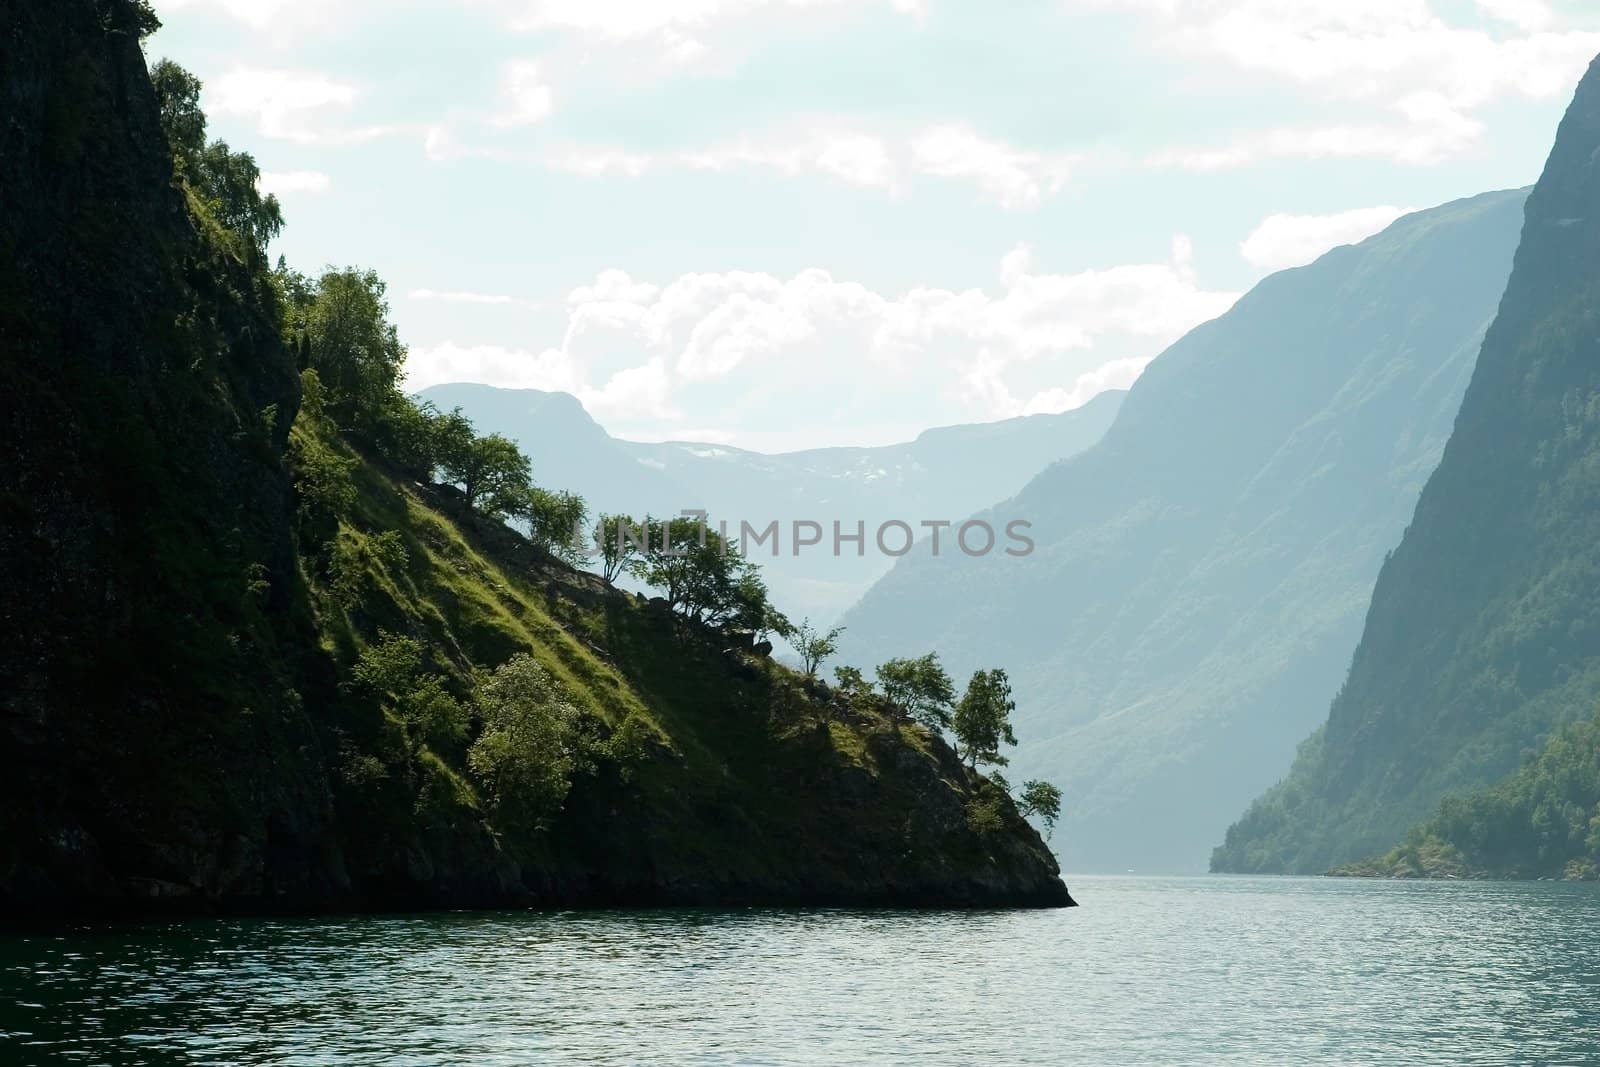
<point x="294" y="181"/>
<point x="1283" y="241"/>
<point x="1118" y="374"/>
<point x="510" y="367"/>
<point x="288" y="105"/>
<point x="1008" y="176"/>
<point x="1012" y="177"/>
<point x="752" y="350"/>
<point x="527" y="98"/>
<point x="1396" y="56"/>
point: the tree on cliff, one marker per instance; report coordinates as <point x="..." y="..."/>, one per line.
<point x="493" y="473"/>
<point x="227" y="183"/>
<point x="1044" y="800"/>
<point x="814" y="645"/>
<point x="982" y="721"/>
<point x="555" y="520"/>
<point x="919" y="689"/>
<point x="618" y="547"/>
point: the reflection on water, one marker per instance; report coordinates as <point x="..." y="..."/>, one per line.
<point x="1148" y="971"/>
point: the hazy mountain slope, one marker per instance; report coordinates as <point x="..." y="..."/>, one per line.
<point x="1201" y="574"/>
<point x="945" y="474"/>
<point x="1484" y="631"/>
<point x="196" y="566"/>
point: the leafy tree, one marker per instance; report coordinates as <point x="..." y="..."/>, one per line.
<point x="230" y="182"/>
<point x="145" y="21"/>
<point x="1044" y="800"/>
<point x="664" y="563"/>
<point x="391" y="672"/>
<point x="919" y="688"/>
<point x="982" y="719"/>
<point x="492" y="472"/>
<point x="554" y="519"/>
<point x="226" y="183"/>
<point x="533" y="742"/>
<point x="129" y="16"/>
<point x="814" y="645"/>
<point x="178" y="97"/>
<point x="704" y="576"/>
<point x="342" y="323"/>
<point x="752" y="607"/>
<point x="855" y="690"/>
<point x="407" y="434"/>
<point x="618" y="550"/>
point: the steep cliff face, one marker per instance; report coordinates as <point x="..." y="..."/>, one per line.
<point x="1201" y="573"/>
<point x="1484" y="629"/>
<point x="150" y="663"/>
<point x="180" y="724"/>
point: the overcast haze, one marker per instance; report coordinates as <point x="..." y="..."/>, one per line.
<point x="814" y="222"/>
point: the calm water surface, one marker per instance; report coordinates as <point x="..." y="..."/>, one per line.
<point x="1148" y="971"/>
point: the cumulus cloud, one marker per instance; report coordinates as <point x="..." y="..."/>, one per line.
<point x="1118" y="374"/>
<point x="753" y="350"/>
<point x="1283" y="241"/>
<point x="294" y="181"/>
<point x="288" y="105"/>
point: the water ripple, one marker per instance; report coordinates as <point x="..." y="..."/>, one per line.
<point x="1149" y="971"/>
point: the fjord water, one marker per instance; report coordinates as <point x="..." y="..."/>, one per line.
<point x="1147" y="971"/>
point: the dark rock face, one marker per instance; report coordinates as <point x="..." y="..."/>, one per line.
<point x="168" y="714"/>
<point x="144" y="538"/>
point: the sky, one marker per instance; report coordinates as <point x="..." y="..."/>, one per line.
<point x="795" y="223"/>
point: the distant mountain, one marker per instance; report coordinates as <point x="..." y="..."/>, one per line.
<point x="1201" y="574"/>
<point x="1484" y="633"/>
<point x="945" y="474"/>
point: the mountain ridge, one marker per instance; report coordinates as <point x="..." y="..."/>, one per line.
<point x="945" y="474"/>
<point x="1481" y="639"/>
<point x="1202" y="572"/>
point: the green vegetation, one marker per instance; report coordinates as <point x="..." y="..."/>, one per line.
<point x="815" y="646"/>
<point x="281" y="650"/>
<point x="1483" y="637"/>
<point x="1042" y="800"/>
<point x="920" y="689"/>
<point x="532" y="743"/>
<point x="223" y="181"/>
<point x="1542" y="822"/>
<point x="982" y="720"/>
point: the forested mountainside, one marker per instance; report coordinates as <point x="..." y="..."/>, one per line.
<point x="1202" y="573"/>
<point x="1484" y="631"/>
<point x="1542" y="822"/>
<point x="945" y="474"/>
<point x="257" y="658"/>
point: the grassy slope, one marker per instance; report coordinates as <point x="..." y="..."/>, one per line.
<point x="743" y="782"/>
